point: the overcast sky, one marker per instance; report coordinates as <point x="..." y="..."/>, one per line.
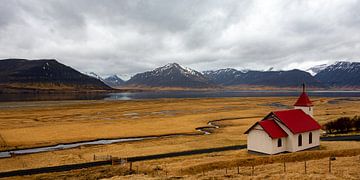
<point x="126" y="37"/>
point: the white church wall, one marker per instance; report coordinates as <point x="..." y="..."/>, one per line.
<point x="289" y="139"/>
<point x="258" y="140"/>
<point x="277" y="149"/>
<point x="305" y="140"/>
<point x="292" y="140"/>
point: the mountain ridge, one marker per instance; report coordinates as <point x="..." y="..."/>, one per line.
<point x="170" y="75"/>
<point x="45" y="74"/>
<point x="50" y="74"/>
<point x="340" y="74"/>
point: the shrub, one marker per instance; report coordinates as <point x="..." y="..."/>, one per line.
<point x="356" y="122"/>
<point x="329" y="127"/>
<point x="342" y="125"/>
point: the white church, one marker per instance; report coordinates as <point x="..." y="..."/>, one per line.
<point x="286" y="130"/>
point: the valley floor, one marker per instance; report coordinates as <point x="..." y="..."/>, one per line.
<point x="33" y="124"/>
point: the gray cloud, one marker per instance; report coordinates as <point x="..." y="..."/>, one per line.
<point x="130" y="36"/>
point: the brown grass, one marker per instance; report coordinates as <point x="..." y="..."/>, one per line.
<point x="271" y="167"/>
<point x="29" y="124"/>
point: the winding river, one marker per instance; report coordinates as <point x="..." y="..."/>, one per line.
<point x="7" y="154"/>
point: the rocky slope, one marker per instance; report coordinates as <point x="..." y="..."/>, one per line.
<point x="170" y="75"/>
<point x="45" y="74"/>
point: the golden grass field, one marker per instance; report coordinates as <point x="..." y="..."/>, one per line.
<point x="33" y="124"/>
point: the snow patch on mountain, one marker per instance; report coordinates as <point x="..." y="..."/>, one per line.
<point x="174" y="66"/>
<point x="94" y="75"/>
<point x="114" y="81"/>
<point x="316" y="69"/>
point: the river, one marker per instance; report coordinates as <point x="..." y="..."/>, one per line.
<point x="169" y="94"/>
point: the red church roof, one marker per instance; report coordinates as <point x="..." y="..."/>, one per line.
<point x="272" y="129"/>
<point x="303" y="100"/>
<point x="297" y="121"/>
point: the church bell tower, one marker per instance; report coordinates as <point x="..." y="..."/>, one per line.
<point x="304" y="103"/>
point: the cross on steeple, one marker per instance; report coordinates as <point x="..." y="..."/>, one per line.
<point x="303" y="87"/>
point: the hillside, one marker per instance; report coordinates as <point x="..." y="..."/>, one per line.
<point x="44" y="74"/>
<point x="114" y="81"/>
<point x="170" y="75"/>
<point x="233" y="77"/>
<point x="340" y="74"/>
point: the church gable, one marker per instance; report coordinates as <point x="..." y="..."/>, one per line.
<point x="297" y="121"/>
<point x="272" y="129"/>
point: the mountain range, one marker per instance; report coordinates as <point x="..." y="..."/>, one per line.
<point x="50" y="74"/>
<point x="44" y="74"/>
<point x="338" y="75"/>
<point x="233" y="77"/>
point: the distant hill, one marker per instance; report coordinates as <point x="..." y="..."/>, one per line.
<point x="94" y="75"/>
<point x="316" y="69"/>
<point x="340" y="74"/>
<point x="45" y="74"/>
<point x="233" y="77"/>
<point x="114" y="81"/>
<point x="222" y="76"/>
<point x="170" y="75"/>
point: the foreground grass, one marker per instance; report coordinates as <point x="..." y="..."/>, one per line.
<point x="224" y="165"/>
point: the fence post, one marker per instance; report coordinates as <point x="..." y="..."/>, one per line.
<point x="225" y="170"/>
<point x="238" y="169"/>
<point x="252" y="170"/>
<point x="284" y="167"/>
<point x="305" y="166"/>
<point x="130" y="167"/>
<point x="329" y="164"/>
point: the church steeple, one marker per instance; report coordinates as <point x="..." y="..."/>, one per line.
<point x="304" y="99"/>
<point x="304" y="102"/>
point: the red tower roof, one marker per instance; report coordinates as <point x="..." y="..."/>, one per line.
<point x="303" y="99"/>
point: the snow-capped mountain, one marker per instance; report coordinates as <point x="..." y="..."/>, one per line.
<point x="170" y="75"/>
<point x="316" y="69"/>
<point x="94" y="75"/>
<point x="341" y="74"/>
<point x="290" y="78"/>
<point x="233" y="77"/>
<point x="222" y="76"/>
<point x="174" y="66"/>
<point x="114" y="81"/>
<point x="45" y="74"/>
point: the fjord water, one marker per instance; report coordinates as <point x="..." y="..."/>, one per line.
<point x="168" y="94"/>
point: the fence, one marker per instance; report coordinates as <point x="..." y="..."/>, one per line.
<point x="102" y="157"/>
<point x="323" y="166"/>
<point x="253" y="170"/>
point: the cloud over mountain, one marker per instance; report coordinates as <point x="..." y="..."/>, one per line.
<point x="130" y="36"/>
